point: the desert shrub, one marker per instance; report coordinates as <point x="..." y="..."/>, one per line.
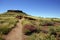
<point x="1" y="38"/>
<point x="40" y="36"/>
<point x="55" y="20"/>
<point x="2" y="22"/>
<point x="48" y="24"/>
<point x="33" y="22"/>
<point x="52" y="37"/>
<point x="53" y="31"/>
<point x="7" y="23"/>
<point x="24" y="22"/>
<point x="45" y="22"/>
<point x="31" y="37"/>
<point x="27" y="32"/>
<point x="57" y="29"/>
<point x="5" y="30"/>
<point x="54" y="28"/>
<point x="29" y="28"/>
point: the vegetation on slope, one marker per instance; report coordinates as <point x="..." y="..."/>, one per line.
<point x="38" y="28"/>
<point x="43" y="29"/>
<point x="8" y="21"/>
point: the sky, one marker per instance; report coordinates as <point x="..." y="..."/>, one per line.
<point x="42" y="8"/>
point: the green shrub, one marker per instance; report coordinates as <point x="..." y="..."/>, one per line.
<point x="40" y="36"/>
<point x="29" y="29"/>
<point x="58" y="29"/>
<point x="7" y="23"/>
<point x="1" y="38"/>
<point x="5" y="30"/>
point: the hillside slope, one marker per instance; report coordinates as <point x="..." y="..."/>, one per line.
<point x="34" y="28"/>
<point x="13" y="13"/>
<point x="8" y="21"/>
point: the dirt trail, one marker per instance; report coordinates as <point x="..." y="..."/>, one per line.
<point x="16" y="33"/>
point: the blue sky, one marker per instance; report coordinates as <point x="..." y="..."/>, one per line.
<point x="43" y="8"/>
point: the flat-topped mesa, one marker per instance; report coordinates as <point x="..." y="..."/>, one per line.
<point x="15" y="11"/>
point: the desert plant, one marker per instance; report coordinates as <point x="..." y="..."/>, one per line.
<point x="29" y="28"/>
<point x="5" y="30"/>
<point x="1" y="38"/>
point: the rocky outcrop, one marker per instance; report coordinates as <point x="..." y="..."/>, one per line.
<point x="15" y="11"/>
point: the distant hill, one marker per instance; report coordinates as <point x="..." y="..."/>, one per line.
<point x="13" y="13"/>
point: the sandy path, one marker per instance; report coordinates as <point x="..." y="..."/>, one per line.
<point x="16" y="33"/>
